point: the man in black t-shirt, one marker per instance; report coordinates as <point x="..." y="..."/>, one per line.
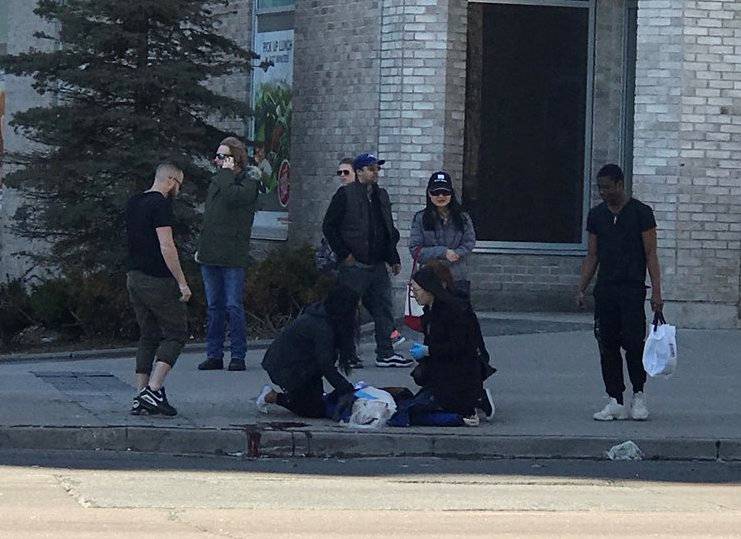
<point x="622" y="242"/>
<point x="157" y="289"/>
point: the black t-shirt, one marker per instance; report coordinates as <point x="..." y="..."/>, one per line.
<point x="145" y="213"/>
<point x="620" y="252"/>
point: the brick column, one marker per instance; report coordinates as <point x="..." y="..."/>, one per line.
<point x="688" y="151"/>
<point x="422" y="101"/>
<point x="335" y="102"/>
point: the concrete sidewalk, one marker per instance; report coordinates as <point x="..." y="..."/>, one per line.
<point x="546" y="390"/>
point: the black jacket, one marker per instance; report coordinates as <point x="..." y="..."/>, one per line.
<point x="453" y="369"/>
<point x="305" y="350"/>
<point x="361" y="225"/>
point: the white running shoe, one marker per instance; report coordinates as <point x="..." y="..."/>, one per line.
<point x="472" y="421"/>
<point x="612" y="410"/>
<point x="639" y="410"/>
<point x="260" y="400"/>
<point x="486" y="405"/>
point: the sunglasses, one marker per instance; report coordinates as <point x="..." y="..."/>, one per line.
<point x="344" y="172"/>
<point x="440" y="193"/>
<point x="223" y="156"/>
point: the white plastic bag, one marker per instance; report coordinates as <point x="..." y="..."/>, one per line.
<point x="660" y="350"/>
<point x="372" y="408"/>
<point x="625" y="451"/>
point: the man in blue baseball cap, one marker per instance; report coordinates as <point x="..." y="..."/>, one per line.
<point x="366" y="159"/>
<point x="360" y="230"/>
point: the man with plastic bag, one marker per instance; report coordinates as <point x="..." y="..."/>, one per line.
<point x="622" y="244"/>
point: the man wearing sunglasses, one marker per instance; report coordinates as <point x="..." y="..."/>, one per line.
<point x="157" y="289"/>
<point x="360" y="230"/>
<point x="223" y="252"/>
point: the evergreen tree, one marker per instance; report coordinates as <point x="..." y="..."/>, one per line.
<point x="128" y="79"/>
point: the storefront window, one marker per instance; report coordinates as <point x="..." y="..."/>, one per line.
<point x="274" y="4"/>
<point x="527" y="123"/>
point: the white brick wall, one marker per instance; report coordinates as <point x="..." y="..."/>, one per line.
<point x="688" y="150"/>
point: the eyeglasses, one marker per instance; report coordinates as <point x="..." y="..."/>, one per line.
<point x="344" y="172"/>
<point x="223" y="156"/>
<point x="440" y="193"/>
<point x="373" y="168"/>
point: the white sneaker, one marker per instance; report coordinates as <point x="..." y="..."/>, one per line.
<point x="612" y="410"/>
<point x="639" y="410"/>
<point x="260" y="400"/>
<point x="472" y="421"/>
<point x="486" y="405"/>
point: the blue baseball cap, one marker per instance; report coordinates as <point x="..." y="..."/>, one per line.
<point x="365" y="159"/>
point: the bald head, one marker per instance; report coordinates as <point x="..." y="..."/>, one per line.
<point x="167" y="179"/>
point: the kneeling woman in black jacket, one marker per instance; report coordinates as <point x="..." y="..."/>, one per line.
<point x="449" y="361"/>
<point x="307" y="351"/>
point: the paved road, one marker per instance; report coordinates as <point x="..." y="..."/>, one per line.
<point x="123" y="495"/>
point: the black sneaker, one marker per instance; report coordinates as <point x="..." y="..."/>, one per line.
<point x="137" y="408"/>
<point x="211" y="364"/>
<point x="486" y="405"/>
<point x="237" y="365"/>
<point x="155" y="402"/>
<point x="394" y="360"/>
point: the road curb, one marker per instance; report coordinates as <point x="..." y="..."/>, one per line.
<point x="261" y="441"/>
<point x="129" y="351"/>
<point x="107" y="353"/>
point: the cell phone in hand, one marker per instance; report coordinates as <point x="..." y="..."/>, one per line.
<point x="228" y="162"/>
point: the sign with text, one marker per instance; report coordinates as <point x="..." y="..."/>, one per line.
<point x="273" y="92"/>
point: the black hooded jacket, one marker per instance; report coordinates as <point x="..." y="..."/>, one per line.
<point x="305" y="350"/>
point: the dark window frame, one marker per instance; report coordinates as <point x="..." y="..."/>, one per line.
<point x="560" y="248"/>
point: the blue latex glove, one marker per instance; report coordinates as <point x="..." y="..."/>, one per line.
<point x="418" y="351"/>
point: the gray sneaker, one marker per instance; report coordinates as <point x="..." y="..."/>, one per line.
<point x="394" y="360"/>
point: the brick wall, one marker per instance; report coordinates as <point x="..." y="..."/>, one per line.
<point x="415" y="130"/>
<point x="335" y="105"/>
<point x="688" y="151"/>
<point x="234" y="22"/>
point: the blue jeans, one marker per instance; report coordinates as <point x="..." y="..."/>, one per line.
<point x="225" y="295"/>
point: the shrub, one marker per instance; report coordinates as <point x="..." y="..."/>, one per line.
<point x="96" y="306"/>
<point x="282" y="284"/>
<point x="52" y="304"/>
<point x="15" y="310"/>
<point x="102" y="308"/>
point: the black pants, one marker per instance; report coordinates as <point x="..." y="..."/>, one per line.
<point x="620" y="322"/>
<point x="305" y="401"/>
<point x="162" y="319"/>
<point x="374" y="286"/>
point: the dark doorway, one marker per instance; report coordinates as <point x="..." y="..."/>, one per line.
<point x="526" y="112"/>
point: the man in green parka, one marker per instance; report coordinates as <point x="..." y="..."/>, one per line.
<point x="223" y="251"/>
